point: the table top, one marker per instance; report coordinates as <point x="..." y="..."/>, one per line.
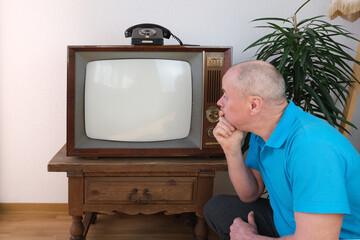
<point x="61" y="163"/>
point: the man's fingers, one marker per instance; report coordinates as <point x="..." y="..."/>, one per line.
<point x="224" y="121"/>
<point x="251" y="218"/>
<point x="234" y="226"/>
<point x="237" y="221"/>
<point x="223" y="131"/>
<point x="223" y="128"/>
<point x="221" y="114"/>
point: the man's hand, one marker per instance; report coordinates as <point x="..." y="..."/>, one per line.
<point x="241" y="230"/>
<point x="227" y="135"/>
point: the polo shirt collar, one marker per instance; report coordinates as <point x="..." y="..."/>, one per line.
<point x="283" y="128"/>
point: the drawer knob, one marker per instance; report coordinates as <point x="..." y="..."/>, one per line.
<point x="172" y="182"/>
<point x="133" y="196"/>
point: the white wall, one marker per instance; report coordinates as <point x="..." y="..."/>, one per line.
<point x="33" y="39"/>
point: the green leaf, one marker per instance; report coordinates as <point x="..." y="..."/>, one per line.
<point x="299" y="51"/>
<point x="283" y="59"/>
<point x="308" y="20"/>
<point x="301" y="7"/>
<point x="271" y="19"/>
<point x="320" y="103"/>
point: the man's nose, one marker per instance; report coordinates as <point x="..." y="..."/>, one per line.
<point x="219" y="102"/>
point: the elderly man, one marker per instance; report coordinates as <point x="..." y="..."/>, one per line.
<point x="311" y="171"/>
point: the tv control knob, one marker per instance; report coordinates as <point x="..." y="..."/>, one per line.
<point x="210" y="132"/>
<point x="212" y="114"/>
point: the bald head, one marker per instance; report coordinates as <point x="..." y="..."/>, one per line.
<point x="258" y="78"/>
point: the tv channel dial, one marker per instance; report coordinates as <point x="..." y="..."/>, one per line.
<point x="212" y="114"/>
<point x="210" y="132"/>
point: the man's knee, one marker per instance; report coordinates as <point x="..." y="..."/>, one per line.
<point x="211" y="208"/>
<point x="217" y="212"/>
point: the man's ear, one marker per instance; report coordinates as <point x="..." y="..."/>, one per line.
<point x="255" y="104"/>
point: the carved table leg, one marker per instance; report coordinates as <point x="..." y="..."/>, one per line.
<point x="77" y="228"/>
<point x="201" y="229"/>
<point x="205" y="192"/>
<point x="76" y="186"/>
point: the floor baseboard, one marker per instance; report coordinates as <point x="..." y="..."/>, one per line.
<point x="33" y="207"/>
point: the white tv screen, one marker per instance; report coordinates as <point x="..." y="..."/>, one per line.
<point x="138" y="100"/>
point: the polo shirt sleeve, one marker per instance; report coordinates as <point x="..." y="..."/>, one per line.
<point x="317" y="176"/>
<point x="252" y="158"/>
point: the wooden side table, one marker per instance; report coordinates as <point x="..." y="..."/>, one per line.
<point x="136" y="185"/>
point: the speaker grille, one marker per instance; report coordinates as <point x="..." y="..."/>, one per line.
<point x="214" y="85"/>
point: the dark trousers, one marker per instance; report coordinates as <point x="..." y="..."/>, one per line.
<point x="221" y="210"/>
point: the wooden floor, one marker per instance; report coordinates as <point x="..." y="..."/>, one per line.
<point x="51" y="226"/>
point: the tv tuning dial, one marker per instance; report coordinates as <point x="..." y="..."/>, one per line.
<point x="210" y="132"/>
<point x="212" y="114"/>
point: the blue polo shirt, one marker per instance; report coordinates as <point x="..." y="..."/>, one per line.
<point x="308" y="166"/>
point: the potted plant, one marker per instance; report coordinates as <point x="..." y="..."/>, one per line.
<point x="314" y="65"/>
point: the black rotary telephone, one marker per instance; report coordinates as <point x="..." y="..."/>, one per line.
<point x="149" y="34"/>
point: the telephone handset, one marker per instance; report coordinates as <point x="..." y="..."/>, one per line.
<point x="149" y="34"/>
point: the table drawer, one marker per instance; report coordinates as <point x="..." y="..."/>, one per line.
<point x="140" y="190"/>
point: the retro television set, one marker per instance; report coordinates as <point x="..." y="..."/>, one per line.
<point x="144" y="101"/>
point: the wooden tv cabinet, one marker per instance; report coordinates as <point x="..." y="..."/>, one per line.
<point x="136" y="185"/>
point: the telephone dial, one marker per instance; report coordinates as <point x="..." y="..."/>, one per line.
<point x="149" y="34"/>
